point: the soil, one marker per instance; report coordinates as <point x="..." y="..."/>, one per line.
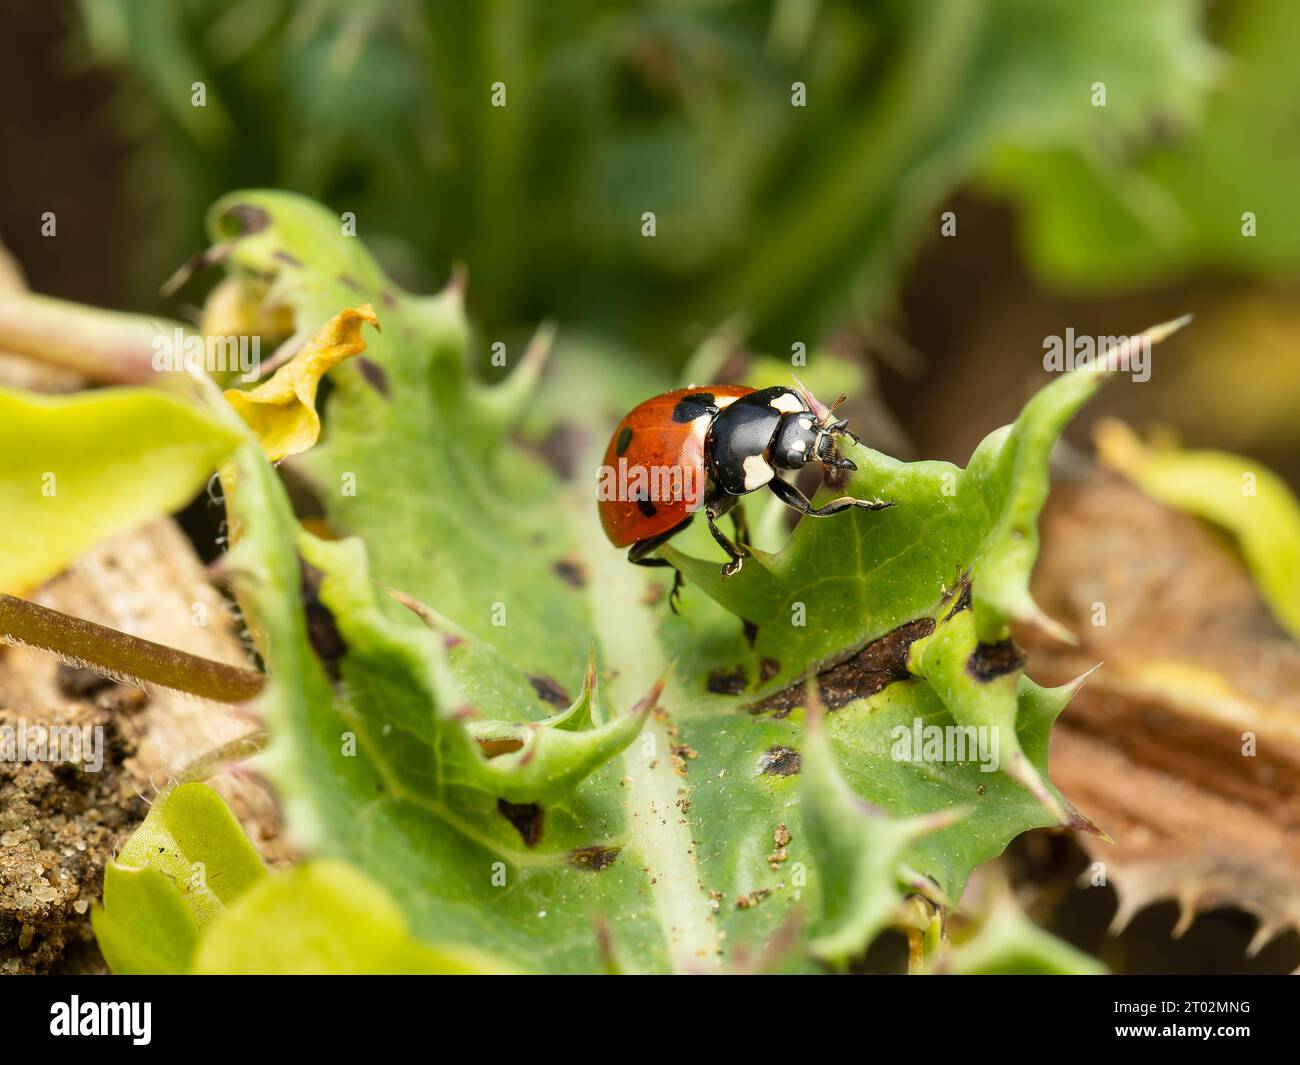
<point x="59" y="824"/>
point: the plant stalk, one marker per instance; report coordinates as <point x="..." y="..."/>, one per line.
<point x="124" y="657"/>
<point x="105" y="346"/>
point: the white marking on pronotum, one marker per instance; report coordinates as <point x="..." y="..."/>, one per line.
<point x="757" y="472"/>
<point x="787" y="403"/>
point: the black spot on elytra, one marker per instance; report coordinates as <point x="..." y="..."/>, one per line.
<point x="693" y="406"/>
<point x="781" y="761"/>
<point x="549" y="691"/>
<point x="593" y="858"/>
<point x="571" y="572"/>
<point x="322" y="632"/>
<point x="247" y="218"/>
<point x="624" y="438"/>
<point x="525" y="817"/>
<point x="990" y="660"/>
<point x="645" y="507"/>
<point x="722" y="681"/>
<point x="871" y="670"/>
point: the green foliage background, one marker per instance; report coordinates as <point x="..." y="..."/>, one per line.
<point x="795" y="218"/>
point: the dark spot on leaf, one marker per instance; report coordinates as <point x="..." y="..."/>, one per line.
<point x="871" y="670"/>
<point x="387" y="299"/>
<point x="352" y="283"/>
<point x="549" y="691"/>
<point x="751" y="632"/>
<point x="77" y="682"/>
<point x="693" y="406"/>
<point x="374" y="375"/>
<point x="571" y="572"/>
<point x="767" y="669"/>
<point x="990" y="660"/>
<point x="526" y="818"/>
<point x="962" y="598"/>
<point x="286" y="257"/>
<point x="624" y="438"/>
<point x="322" y="632"/>
<point x="493" y="747"/>
<point x="247" y="218"/>
<point x="781" y="761"/>
<point x="594" y="858"/>
<point x="724" y="681"/>
<point x="561" y="448"/>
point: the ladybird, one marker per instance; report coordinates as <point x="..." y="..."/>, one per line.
<point x="704" y="448"/>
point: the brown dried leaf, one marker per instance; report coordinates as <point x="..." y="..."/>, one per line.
<point x="1153" y="746"/>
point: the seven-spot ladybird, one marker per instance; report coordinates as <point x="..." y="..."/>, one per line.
<point x="699" y="448"/>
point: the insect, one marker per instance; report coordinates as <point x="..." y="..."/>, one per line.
<point x="698" y="449"/>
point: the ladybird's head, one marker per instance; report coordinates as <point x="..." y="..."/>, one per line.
<point x="800" y="437"/>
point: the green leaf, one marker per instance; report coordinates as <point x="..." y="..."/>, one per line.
<point x="1143" y="209"/>
<point x="1007" y="943"/>
<point x="1251" y="502"/>
<point x="188" y="893"/>
<point x="176" y="873"/>
<point x="859" y="851"/>
<point x="83" y="468"/>
<point x="789" y="215"/>
<point x="325" y="918"/>
<point x="144" y="925"/>
<point x="393" y="713"/>
<point x="399" y="693"/>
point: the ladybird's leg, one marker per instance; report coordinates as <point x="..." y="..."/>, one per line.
<point x="792" y="497"/>
<point x="741" y="523"/>
<point x="712" y="512"/>
<point x="638" y="552"/>
<point x="841" y="428"/>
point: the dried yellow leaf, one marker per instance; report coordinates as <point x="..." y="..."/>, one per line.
<point x="282" y="410"/>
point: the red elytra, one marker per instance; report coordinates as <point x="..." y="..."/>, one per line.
<point x="650" y="439"/>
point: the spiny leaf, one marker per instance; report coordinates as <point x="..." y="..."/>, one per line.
<point x="401" y="696"/>
<point x="1007" y="942"/>
<point x="956" y="539"/>
<point x="83" y="468"/>
<point x="673" y="836"/>
<point x="857" y="849"/>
